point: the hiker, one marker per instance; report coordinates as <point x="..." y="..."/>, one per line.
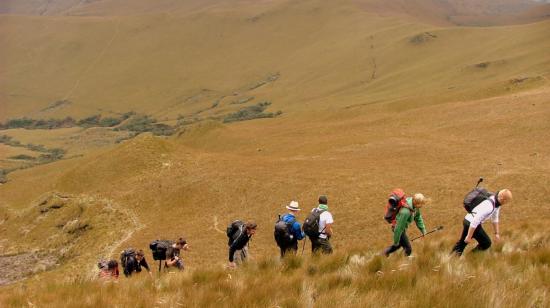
<point x="489" y="208"/>
<point x="173" y="258"/>
<point x="318" y="227"/>
<point x="288" y="230"/>
<point x="238" y="242"/>
<point x="132" y="261"/>
<point x="108" y="270"/>
<point x="407" y="211"/>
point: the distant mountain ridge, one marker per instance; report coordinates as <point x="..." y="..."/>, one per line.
<point x="460" y="12"/>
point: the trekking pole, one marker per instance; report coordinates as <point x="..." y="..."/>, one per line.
<point x="479" y="181"/>
<point x="303" y="246"/>
<point x="434" y="230"/>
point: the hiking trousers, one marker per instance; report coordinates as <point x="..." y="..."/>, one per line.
<point x="292" y="248"/>
<point x="403" y="242"/>
<point x="241" y="255"/>
<point x="483" y="240"/>
<point x="322" y="244"/>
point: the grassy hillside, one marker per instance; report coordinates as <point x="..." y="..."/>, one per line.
<point x="369" y="102"/>
<point x="101" y="64"/>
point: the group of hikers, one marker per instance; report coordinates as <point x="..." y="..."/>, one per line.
<point x="401" y="210"/>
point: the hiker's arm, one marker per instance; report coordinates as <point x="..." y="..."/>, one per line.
<point x="145" y="265"/>
<point x="328" y="230"/>
<point x="420" y="222"/>
<point x="470" y="234"/>
<point x="401" y="219"/>
<point x="496" y="227"/>
<point x="297" y="231"/>
<point x="494" y="220"/>
<point x="232" y="250"/>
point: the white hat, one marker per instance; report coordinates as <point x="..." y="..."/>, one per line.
<point x="293" y="206"/>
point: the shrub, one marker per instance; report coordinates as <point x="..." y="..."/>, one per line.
<point x="22" y="157"/>
<point x="250" y="113"/>
<point x="143" y="123"/>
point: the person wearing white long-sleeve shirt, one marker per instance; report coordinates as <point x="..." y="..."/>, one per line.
<point x="488" y="209"/>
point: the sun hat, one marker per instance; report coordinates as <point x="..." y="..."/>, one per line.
<point x="293" y="206"/>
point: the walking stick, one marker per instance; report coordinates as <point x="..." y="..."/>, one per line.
<point x="434" y="230"/>
<point x="479" y="182"/>
<point x="303" y="246"/>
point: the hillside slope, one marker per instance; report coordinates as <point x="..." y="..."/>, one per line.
<point x="369" y="102"/>
<point x="204" y="61"/>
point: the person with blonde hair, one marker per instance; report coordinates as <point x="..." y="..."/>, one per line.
<point x="487" y="209"/>
<point x="408" y="212"/>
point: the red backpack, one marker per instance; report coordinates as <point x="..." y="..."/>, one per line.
<point x="396" y="201"/>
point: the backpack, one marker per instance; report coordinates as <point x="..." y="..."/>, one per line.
<point x="475" y="197"/>
<point x="234" y="230"/>
<point x="283" y="232"/>
<point x="159" y="248"/>
<point x="396" y="201"/>
<point x="125" y="255"/>
<point x="311" y="223"/>
<point x="103" y="264"/>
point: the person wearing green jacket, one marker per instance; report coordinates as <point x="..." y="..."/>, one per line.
<point x="405" y="216"/>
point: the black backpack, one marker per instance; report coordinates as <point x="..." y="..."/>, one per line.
<point x="311" y="224"/>
<point x="234" y="230"/>
<point x="283" y="232"/>
<point x="125" y="255"/>
<point x="159" y="248"/>
<point x="475" y="197"/>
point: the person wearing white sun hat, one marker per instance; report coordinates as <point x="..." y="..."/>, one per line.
<point x="288" y="230"/>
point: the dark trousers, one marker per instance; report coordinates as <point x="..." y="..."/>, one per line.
<point x="321" y="244"/>
<point x="403" y="242"/>
<point x="292" y="248"/>
<point x="483" y="240"/>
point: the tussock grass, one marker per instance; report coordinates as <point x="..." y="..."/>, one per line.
<point x="494" y="278"/>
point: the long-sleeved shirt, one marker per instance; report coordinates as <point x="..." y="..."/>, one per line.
<point x="404" y="218"/>
<point x="482" y="212"/>
<point x="296" y="229"/>
<point x="133" y="265"/>
<point x="238" y="244"/>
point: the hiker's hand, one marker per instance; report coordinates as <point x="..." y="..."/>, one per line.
<point x="467" y="240"/>
<point x="186" y="247"/>
<point x="232" y="265"/>
<point x="497" y="237"/>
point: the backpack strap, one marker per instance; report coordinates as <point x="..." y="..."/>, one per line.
<point x="321" y="211"/>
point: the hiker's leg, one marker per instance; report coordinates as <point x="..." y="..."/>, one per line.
<point x="405" y="243"/>
<point x="325" y="245"/>
<point x="245" y="254"/>
<point x="391" y="249"/>
<point x="314" y="245"/>
<point x="238" y="257"/>
<point x="283" y="251"/>
<point x="483" y="240"/>
<point x="461" y="245"/>
<point x="295" y="248"/>
<point x="180" y="265"/>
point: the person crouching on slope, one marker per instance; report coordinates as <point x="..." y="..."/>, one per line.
<point x="135" y="262"/>
<point x="490" y="208"/>
<point x="238" y="249"/>
<point x="407" y="213"/>
<point x="173" y="258"/>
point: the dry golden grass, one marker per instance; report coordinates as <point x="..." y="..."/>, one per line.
<point x="516" y="276"/>
<point x="370" y="103"/>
